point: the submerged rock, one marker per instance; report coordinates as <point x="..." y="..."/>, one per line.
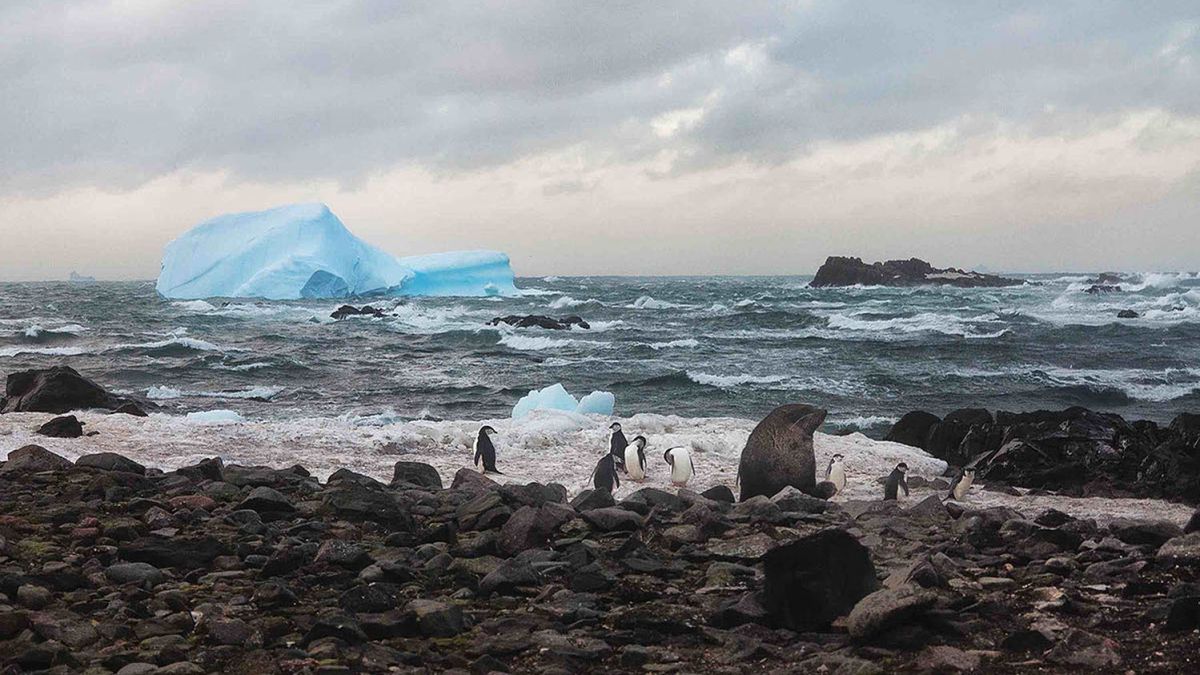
<point x="67" y="426"/>
<point x="540" y="321"/>
<point x="56" y="390"/>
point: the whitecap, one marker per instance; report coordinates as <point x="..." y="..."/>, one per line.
<point x="45" y="351"/>
<point x="728" y="381"/>
<point x="648" y="302"/>
<point x="675" y="344"/>
<point x="532" y="343"/>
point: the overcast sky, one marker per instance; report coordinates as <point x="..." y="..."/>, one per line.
<point x="609" y="137"/>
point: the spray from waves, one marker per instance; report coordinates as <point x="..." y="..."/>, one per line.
<point x="533" y="343"/>
<point x="172" y="345"/>
<point x="567" y="301"/>
<point x="37" y="331"/>
<point x="863" y="421"/>
<point x="1146" y="385"/>
<point x="648" y="302"/>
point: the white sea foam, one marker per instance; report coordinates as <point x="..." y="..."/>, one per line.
<point x="165" y="393"/>
<point x="648" y="302"/>
<point x="924" y="322"/>
<point x="546" y="447"/>
<point x="686" y="343"/>
<point x="45" y="351"/>
<point x="175" y="341"/>
<point x="36" y="330"/>
<point x="730" y="381"/>
<point x="243" y="367"/>
<point x="533" y="343"/>
<point x="195" y="306"/>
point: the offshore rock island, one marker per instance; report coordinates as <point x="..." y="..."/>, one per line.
<point x="843" y="271"/>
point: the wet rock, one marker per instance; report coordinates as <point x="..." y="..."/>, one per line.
<point x="719" y="493"/>
<point x="186" y="553"/>
<point x="134" y="573"/>
<point x="1080" y="648"/>
<point x="794" y="501"/>
<point x="845" y="271"/>
<point x="1193" y="524"/>
<point x="437" y="619"/>
<point x="341" y="553"/>
<point x="947" y="659"/>
<point x="511" y="575"/>
<point x="416" y="474"/>
<point x="1183" y="614"/>
<point x="346" y="476"/>
<point x="361" y="504"/>
<point x="816" y="579"/>
<point x="336" y="626"/>
<point x="34" y="597"/>
<point x="472" y="481"/>
<point x="234" y="632"/>
<point x="346" y="311"/>
<point x="913" y="429"/>
<point x="372" y="597"/>
<point x="1127" y="314"/>
<point x="34" y="459"/>
<point x="887" y="608"/>
<point x="206" y="469"/>
<point x="57" y="390"/>
<point x="592" y="499"/>
<point x="1182" y="550"/>
<point x="110" y="461"/>
<point x="531" y="527"/>
<point x="539" y="321"/>
<point x="613" y="520"/>
<point x="67" y="426"/>
<point x="267" y="502"/>
<point x="273" y="594"/>
<point x="1144" y="533"/>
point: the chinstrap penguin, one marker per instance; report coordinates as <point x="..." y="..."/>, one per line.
<point x="682" y="467"/>
<point x="485" y="452"/>
<point x="836" y="472"/>
<point x="635" y="459"/>
<point x="961" y="483"/>
<point x="604" y="476"/>
<point x="896" y="480"/>
<point x="617" y="443"/>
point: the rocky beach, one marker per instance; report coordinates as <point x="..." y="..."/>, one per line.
<point x="126" y="561"/>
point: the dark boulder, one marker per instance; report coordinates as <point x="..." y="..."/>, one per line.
<point x="946" y="438"/>
<point x="173" y="551"/>
<point x="913" y="429"/>
<point x="416" y="474"/>
<point x="472" y="481"/>
<point x="55" y="390"/>
<point x="1127" y="314"/>
<point x="844" y="271"/>
<point x="1095" y="289"/>
<point x="349" y="310"/>
<point x="206" y="469"/>
<point x="267" y="502"/>
<point x="67" y="426"/>
<point x="357" y="503"/>
<point x="110" y="461"/>
<point x="130" y="408"/>
<point x="539" y="321"/>
<point x="816" y="579"/>
<point x="33" y="459"/>
<point x="719" y="493"/>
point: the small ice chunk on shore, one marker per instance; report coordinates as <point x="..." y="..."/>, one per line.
<point x="215" y="417"/>
<point x="556" y="397"/>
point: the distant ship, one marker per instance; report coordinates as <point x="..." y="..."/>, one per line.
<point x="80" y="280"/>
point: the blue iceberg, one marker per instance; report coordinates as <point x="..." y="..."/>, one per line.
<point x="556" y="397"/>
<point x="304" y="251"/>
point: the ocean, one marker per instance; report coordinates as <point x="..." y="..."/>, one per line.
<point x="694" y="347"/>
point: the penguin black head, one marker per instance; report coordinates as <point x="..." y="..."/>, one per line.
<point x="615" y="426"/>
<point x="902" y="467"/>
<point x="668" y="458"/>
<point x="838" y="458"/>
<point x="639" y="440"/>
<point x="487" y="430"/>
<point x="969" y="472"/>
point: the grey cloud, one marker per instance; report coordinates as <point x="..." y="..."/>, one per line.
<point x="317" y="90"/>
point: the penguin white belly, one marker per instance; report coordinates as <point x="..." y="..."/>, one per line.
<point x="632" y="465"/>
<point x="837" y="476"/>
<point x="681" y="468"/>
<point x="475" y="454"/>
<point x="960" y="490"/>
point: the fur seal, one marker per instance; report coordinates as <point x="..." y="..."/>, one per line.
<point x="779" y="452"/>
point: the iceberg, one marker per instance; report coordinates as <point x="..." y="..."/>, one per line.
<point x="304" y="251"/>
<point x="556" y="397"/>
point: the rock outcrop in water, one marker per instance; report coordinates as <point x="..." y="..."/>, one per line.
<point x="539" y="321"/>
<point x="1075" y="451"/>
<point x="107" y="566"/>
<point x="59" y="390"/>
<point x="843" y="271"/>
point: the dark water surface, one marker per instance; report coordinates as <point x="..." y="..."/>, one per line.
<point x="695" y="347"/>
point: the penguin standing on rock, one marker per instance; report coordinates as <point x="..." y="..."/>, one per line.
<point x="617" y="444"/>
<point x="960" y="485"/>
<point x="896" y="480"/>
<point x="836" y="472"/>
<point x="485" y="452"/>
<point x="604" y="477"/>
<point x="682" y="467"/>
<point x="635" y="459"/>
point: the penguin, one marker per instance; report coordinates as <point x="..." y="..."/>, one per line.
<point x="896" y="480"/>
<point x="604" y="477"/>
<point x="961" y="483"/>
<point x="485" y="451"/>
<point x="617" y="444"/>
<point x="682" y="466"/>
<point x="635" y="459"/>
<point x="836" y="473"/>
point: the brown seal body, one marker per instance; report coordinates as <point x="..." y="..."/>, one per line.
<point x="779" y="452"/>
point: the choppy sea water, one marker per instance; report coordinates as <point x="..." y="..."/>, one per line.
<point x="692" y="347"/>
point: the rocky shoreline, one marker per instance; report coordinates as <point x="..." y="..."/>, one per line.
<point x="107" y="566"/>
